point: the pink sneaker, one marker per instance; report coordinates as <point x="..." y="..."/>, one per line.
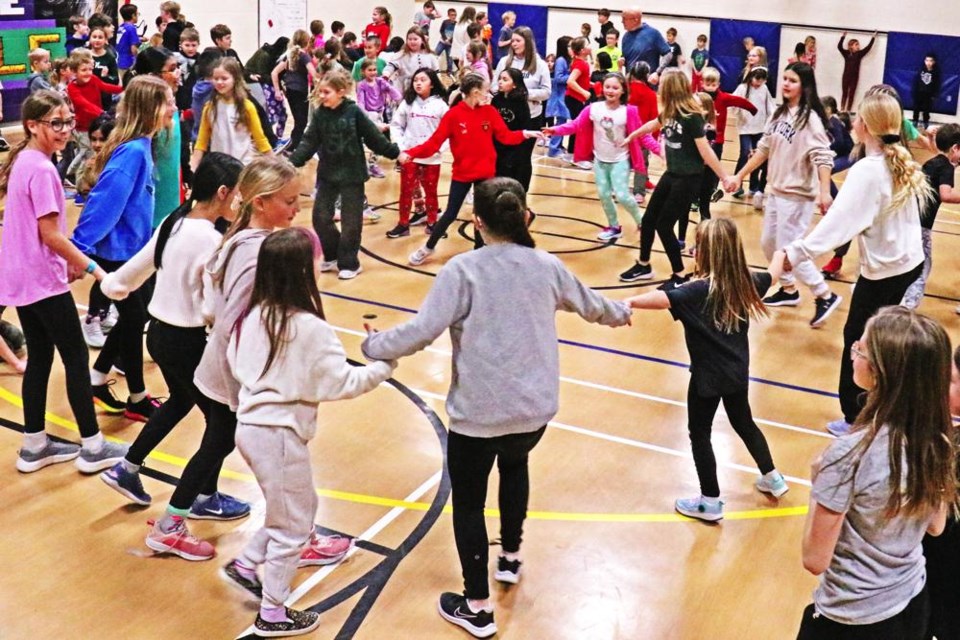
<point x="179" y="542"/>
<point x="323" y="550"/>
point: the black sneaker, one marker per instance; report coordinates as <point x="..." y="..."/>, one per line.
<point x="4" y="145"/>
<point x="637" y="272"/>
<point x="453" y="608"/>
<point x="825" y="306"/>
<point x="399" y="231"/>
<point x="297" y="623"/>
<point x="141" y="411"/>
<point x="508" y="571"/>
<point x="674" y="282"/>
<point x="782" y="299"/>
<point x="231" y="574"/>
<point x="104" y="398"/>
<point x="717" y="195"/>
<point x="418" y="217"/>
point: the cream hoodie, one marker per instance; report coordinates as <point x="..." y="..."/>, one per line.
<point x="794" y="156"/>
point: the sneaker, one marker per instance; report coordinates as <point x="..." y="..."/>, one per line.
<point x="683" y="244"/>
<point x="179" y="542"/>
<point x="695" y="207"/>
<point x="738" y="194"/>
<point x="232" y="575"/>
<point x="104" y="398"/>
<point x="282" y="144"/>
<point x="420" y="256"/>
<point x="298" y="623"/>
<point x="399" y="231"/>
<point x="776" y="487"/>
<point x="508" y="571"/>
<point x="418" y="217"/>
<point x="469" y="199"/>
<point x="350" y="274"/>
<point x="839" y="427"/>
<point x="109" y="320"/>
<point x="141" y="411"/>
<point x="782" y="299"/>
<point x="586" y="165"/>
<point x="428" y="229"/>
<point x="53" y="453"/>
<point x="453" y="608"/>
<point x="637" y="272"/>
<point x="640" y="199"/>
<point x="126" y="484"/>
<point x="110" y="454"/>
<point x="717" y="195"/>
<point x="832" y="268"/>
<point x="371" y="215"/>
<point x="328" y="265"/>
<point x="4" y="145"/>
<point x="696" y="508"/>
<point x="376" y="171"/>
<point x="219" y="506"/>
<point x="93" y="332"/>
<point x="758" y="200"/>
<point x="610" y="233"/>
<point x="322" y="550"/>
<point x="78" y="199"/>
<point x="824" y="307"/>
<point x="673" y="282"/>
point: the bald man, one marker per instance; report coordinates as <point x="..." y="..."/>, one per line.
<point x="642" y="42"/>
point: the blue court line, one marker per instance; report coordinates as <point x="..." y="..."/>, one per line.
<point x="616" y="352"/>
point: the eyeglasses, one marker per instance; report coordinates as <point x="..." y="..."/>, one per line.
<point x="856" y="353"/>
<point x="59" y="125"/>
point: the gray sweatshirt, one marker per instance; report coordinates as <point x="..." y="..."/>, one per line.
<point x="499" y="303"/>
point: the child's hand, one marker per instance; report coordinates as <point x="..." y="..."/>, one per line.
<point x="529" y="135"/>
<point x="548" y="131"/>
<point x="20" y="366"/>
<point x="731" y="184"/>
<point x="73" y="273"/>
<point x="824" y="200"/>
<point x="403" y="158"/>
<point x="370" y="329"/>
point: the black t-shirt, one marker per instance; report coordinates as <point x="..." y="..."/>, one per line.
<point x="719" y="362"/>
<point x="939" y="171"/>
<point x="677" y="52"/>
<point x="516" y="114"/>
<point x="680" y="139"/>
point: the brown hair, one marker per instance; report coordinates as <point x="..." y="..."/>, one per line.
<point x="139" y="114"/>
<point x="35" y="107"/>
<point x="732" y="299"/>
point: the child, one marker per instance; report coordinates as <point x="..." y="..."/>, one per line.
<point x="841" y="143"/>
<point x="414" y="121"/>
<point x="556" y="105"/>
<point x="603" y="17"/>
<point x="375" y="94"/>
<point x="128" y="43"/>
<point x="602" y="129"/>
<point x="447" y="28"/>
<point x="100" y="131"/>
<point x="687" y="151"/>
<point x="296" y="70"/>
<point x="104" y="62"/>
<point x="339" y="130"/>
<point x="38" y="80"/>
<point x="283" y="332"/>
<point x="716" y="307"/>
<point x="645" y="100"/>
<point x="612" y="49"/>
<point x="877" y="491"/>
<point x="852" y="57"/>
<point x="222" y="38"/>
<point x="939" y="172"/>
<point x="578" y="89"/>
<point x="78" y="34"/>
<point x="173" y="24"/>
<point x="177" y="336"/>
<point x="797" y="151"/>
<point x="86" y="92"/>
<point x="415" y="55"/>
<point x="511" y="102"/>
<point x="497" y="410"/>
<point x="810" y="51"/>
<point x="752" y="125"/>
<point x="677" y="60"/>
<point x="371" y="51"/>
<point x="203" y="90"/>
<point x="13" y="346"/>
<point x="316" y="35"/>
<point x="229" y="121"/>
<point x="458" y="43"/>
<point x="506" y="32"/>
<point x="475" y="61"/>
<point x="380" y="23"/>
<point x="699" y="59"/>
<point x="756" y="57"/>
<point x="926" y="88"/>
<point x="471" y="127"/>
<point x="427" y="14"/>
<point x="36" y="265"/>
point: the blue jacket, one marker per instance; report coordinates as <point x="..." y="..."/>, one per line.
<point x="201" y="95"/>
<point x="117" y="220"/>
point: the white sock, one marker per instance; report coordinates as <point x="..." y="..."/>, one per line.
<point x="137" y="397"/>
<point x="94" y="443"/>
<point x="511" y="557"/>
<point x="203" y="497"/>
<point x="34" y="442"/>
<point x="773" y="475"/>
<point x="710" y="502"/>
<point x="97" y="378"/>
<point x="130" y="467"/>
<point x="476" y="608"/>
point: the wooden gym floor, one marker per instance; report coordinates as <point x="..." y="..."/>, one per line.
<point x="605" y="556"/>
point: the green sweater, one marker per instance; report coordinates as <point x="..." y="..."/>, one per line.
<point x="339" y="136"/>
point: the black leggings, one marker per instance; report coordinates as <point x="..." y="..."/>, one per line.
<point x="201" y="473"/>
<point x="126" y="338"/>
<point x="574" y="106"/>
<point x="707" y="186"/>
<point x="341" y="244"/>
<point x="177" y="351"/>
<point x="99" y="304"/>
<point x="909" y="624"/>
<point x="670" y="199"/>
<point x="868" y="297"/>
<point x="458" y="193"/>
<point x="943" y="580"/>
<point x="469" y="462"/>
<point x="922" y="104"/>
<point x="700" y="413"/>
<point x="49" y="324"/>
<point x="300" y="109"/>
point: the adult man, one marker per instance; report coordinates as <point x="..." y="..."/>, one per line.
<point x="643" y="42"/>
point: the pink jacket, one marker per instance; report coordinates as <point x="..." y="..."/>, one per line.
<point x="583" y="147"/>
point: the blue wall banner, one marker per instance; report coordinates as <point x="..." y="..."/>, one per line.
<point x="900" y="69"/>
<point x="728" y="55"/>
<point x="527" y="16"/>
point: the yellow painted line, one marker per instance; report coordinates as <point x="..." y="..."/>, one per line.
<point x="361" y="498"/>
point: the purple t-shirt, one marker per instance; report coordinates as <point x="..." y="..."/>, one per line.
<point x="29" y="270"/>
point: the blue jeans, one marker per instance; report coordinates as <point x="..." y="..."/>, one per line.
<point x="556" y="142"/>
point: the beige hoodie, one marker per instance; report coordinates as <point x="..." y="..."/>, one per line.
<point x="794" y="155"/>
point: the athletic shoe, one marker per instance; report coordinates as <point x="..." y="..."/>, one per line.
<point x="179" y="542"/>
<point x="683" y="244"/>
<point x="824" y="307"/>
<point x="93" y="332"/>
<point x="758" y="200"/>
<point x="776" y="487"/>
<point x="376" y="171"/>
<point x="586" y="165"/>
<point x="717" y="195"/>
<point x="78" y="199"/>
<point x="282" y="144"/>
<point x="126" y="483"/>
<point x="469" y="198"/>
<point x="695" y="207"/>
<point x="839" y="427"/>
<point x="328" y="265"/>
<point x="782" y="299"/>
<point x="832" y="268"/>
<point x="110" y="454"/>
<point x="104" y="398"/>
<point x="453" y="608"/>
<point x="53" y="453"/>
<point x="142" y="410"/>
<point x="639" y="198"/>
<point x="232" y="575"/>
<point x="508" y="571"/>
<point x="420" y="256"/>
<point x="298" y="623"/>
<point x="610" y="233"/>
<point x="738" y="194"/>
<point x="637" y="272"/>
<point x="109" y="320"/>
<point x="399" y="231"/>
<point x="322" y="550"/>
<point x="350" y="274"/>
<point x="696" y="507"/>
<point x="673" y="282"/>
<point x="219" y="506"/>
<point x="371" y="215"/>
<point x="4" y="145"/>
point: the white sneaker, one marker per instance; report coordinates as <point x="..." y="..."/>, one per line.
<point x="93" y="332"/>
<point x="371" y="215"/>
<point x="758" y="200"/>
<point x="330" y="265"/>
<point x="350" y="274"/>
<point x="470" y="197"/>
<point x="586" y="165"/>
<point x="110" y="321"/>
<point x="420" y="256"/>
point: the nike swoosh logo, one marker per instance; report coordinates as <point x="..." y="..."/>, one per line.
<point x="217" y="512"/>
<point x="464" y="616"/>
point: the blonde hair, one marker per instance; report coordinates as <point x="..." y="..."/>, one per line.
<point x="882" y="117"/>
<point x="79" y="57"/>
<point x="732" y="299"/>
<point x="676" y="97"/>
<point x="710" y="74"/>
<point x="139" y="115"/>
<point x="709" y="108"/>
<point x="299" y="42"/>
<point x="762" y="62"/>
<point x="37" y="105"/>
<point x="336" y="79"/>
<point x="37" y="55"/>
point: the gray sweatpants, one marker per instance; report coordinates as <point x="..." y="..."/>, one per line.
<point x="784" y="221"/>
<point x="914" y="294"/>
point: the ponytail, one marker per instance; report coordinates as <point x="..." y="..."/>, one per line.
<point x="501" y="204"/>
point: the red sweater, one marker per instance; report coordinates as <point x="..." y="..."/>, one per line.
<point x="381" y="30"/>
<point x="721" y="102"/>
<point x="86" y="100"/>
<point x="471" y="132"/>
<point x="645" y="100"/>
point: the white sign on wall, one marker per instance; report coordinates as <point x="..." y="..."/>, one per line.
<point x="281" y="18"/>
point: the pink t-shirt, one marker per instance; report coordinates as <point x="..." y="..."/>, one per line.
<point x="29" y="270"/>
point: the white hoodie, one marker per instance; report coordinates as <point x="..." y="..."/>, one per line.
<point x="413" y="124"/>
<point x="749" y="123"/>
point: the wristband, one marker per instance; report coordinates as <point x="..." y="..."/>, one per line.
<point x="91" y="267"/>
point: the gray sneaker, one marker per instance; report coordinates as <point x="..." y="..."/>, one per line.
<point x="54" y="452"/>
<point x="109" y="455"/>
